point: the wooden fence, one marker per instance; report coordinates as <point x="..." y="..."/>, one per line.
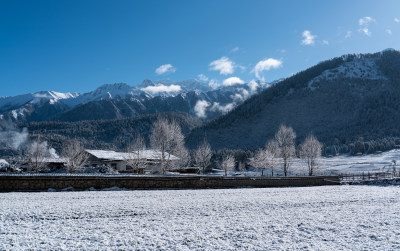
<point x="367" y="176"/>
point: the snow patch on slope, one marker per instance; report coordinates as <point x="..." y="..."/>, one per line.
<point x="364" y="68"/>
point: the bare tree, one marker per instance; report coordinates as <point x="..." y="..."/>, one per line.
<point x="203" y="154"/>
<point x="310" y="152"/>
<point x="228" y="163"/>
<point x="272" y="150"/>
<point x="168" y="139"/>
<point x="391" y="168"/>
<point x="135" y="154"/>
<point x="37" y="152"/>
<point x="242" y="166"/>
<point x="183" y="154"/>
<point x="75" y="154"/>
<point x="258" y="161"/>
<point x="263" y="160"/>
<point x="285" y="138"/>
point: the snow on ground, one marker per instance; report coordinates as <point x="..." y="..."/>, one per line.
<point x="308" y="218"/>
<point x="366" y="163"/>
<point x="345" y="164"/>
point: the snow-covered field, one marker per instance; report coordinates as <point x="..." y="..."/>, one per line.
<point x="366" y="163"/>
<point x="352" y="164"/>
<point x="316" y="218"/>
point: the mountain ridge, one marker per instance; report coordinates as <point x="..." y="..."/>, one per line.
<point x="52" y="105"/>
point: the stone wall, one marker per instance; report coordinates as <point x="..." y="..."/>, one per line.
<point x="43" y="183"/>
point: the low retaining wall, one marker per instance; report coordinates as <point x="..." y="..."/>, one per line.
<point x="42" y="183"/>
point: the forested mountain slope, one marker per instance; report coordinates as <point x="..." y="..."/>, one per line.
<point x="106" y="134"/>
<point x="343" y="100"/>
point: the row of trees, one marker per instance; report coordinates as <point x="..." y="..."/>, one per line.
<point x="166" y="137"/>
<point x="281" y="151"/>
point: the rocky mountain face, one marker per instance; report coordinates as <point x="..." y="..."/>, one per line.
<point x="344" y="101"/>
<point x="115" y="101"/>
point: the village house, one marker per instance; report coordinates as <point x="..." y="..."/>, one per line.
<point x="45" y="164"/>
<point x="121" y="161"/>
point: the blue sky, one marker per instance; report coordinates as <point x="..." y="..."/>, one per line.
<point x="76" y="46"/>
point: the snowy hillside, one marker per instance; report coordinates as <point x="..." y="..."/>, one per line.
<point x="359" y="68"/>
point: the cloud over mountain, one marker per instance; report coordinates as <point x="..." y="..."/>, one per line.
<point x="266" y="65"/>
<point x="224" y="65"/>
<point x="166" y="68"/>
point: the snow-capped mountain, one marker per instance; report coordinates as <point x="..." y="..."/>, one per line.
<point x="120" y="100"/>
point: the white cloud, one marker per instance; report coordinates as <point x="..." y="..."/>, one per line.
<point x="283" y="51"/>
<point x="239" y="97"/>
<point x="365" y="21"/>
<point x="365" y="31"/>
<point x="397" y="20"/>
<point x="253" y="85"/>
<point x="348" y="34"/>
<point x="309" y="39"/>
<point x="200" y="108"/>
<point x="166" y="68"/>
<point x="162" y="88"/>
<point x="232" y="81"/>
<point x="213" y="83"/>
<point x="389" y="31"/>
<point x="241" y="67"/>
<point x="203" y="77"/>
<point x="224" y="109"/>
<point x="224" y="65"/>
<point x="325" y="42"/>
<point x="235" y="49"/>
<point x="266" y="65"/>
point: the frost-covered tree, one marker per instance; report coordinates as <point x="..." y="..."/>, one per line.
<point x="265" y="159"/>
<point x="259" y="160"/>
<point x="228" y="163"/>
<point x="310" y="152"/>
<point x="202" y="155"/>
<point x="37" y="152"/>
<point x="167" y="137"/>
<point x="285" y="139"/>
<point x="75" y="154"/>
<point x="135" y="154"/>
<point x="272" y="149"/>
<point x="242" y="166"/>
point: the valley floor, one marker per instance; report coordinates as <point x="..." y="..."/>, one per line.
<point x="317" y="218"/>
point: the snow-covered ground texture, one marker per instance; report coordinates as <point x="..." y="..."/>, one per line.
<point x="346" y="164"/>
<point x="308" y="218"/>
<point x="366" y="163"/>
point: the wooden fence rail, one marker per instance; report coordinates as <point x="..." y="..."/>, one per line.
<point x="367" y="176"/>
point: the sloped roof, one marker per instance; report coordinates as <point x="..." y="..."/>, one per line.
<point x="3" y="162"/>
<point x="112" y="155"/>
<point x="51" y="160"/>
